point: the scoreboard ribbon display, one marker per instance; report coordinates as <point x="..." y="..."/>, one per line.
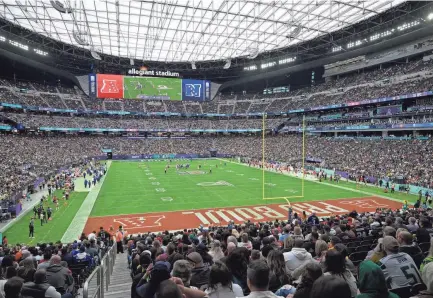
<point x="152" y="88"/>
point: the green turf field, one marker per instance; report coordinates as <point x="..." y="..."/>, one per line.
<point x="139" y="187"/>
<point x="140" y="87"/>
<point x="53" y="230"/>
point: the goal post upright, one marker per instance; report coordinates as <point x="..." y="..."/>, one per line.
<point x="263" y="155"/>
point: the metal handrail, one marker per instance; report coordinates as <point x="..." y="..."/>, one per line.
<point x="103" y="274"/>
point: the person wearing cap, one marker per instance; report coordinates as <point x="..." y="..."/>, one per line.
<point x="200" y="273"/>
<point x="398" y="267"/>
<point x="40" y="287"/>
<point x="258" y="280"/>
<point x="157" y="274"/>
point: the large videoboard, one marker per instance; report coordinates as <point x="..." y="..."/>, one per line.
<point x="150" y="88"/>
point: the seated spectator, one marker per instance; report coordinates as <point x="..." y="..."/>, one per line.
<point x="245" y="242"/>
<point x="278" y="275"/>
<point x="412" y="226"/>
<point x="40" y="287"/>
<point x="427" y="277"/>
<point x="27" y="269"/>
<point x="159" y="273"/>
<point x="424" y="230"/>
<point x="200" y="273"/>
<point x="321" y="247"/>
<point x="215" y="250"/>
<point x="398" y="267"/>
<point x="258" y="280"/>
<point x="311" y="272"/>
<point x="429" y="257"/>
<point x="237" y="262"/>
<point x="335" y="265"/>
<point x="372" y="282"/>
<point x="82" y="256"/>
<point x="220" y="283"/>
<point x="330" y="286"/>
<point x="182" y="270"/>
<point x="405" y="240"/>
<point x="297" y="233"/>
<point x="168" y="289"/>
<point x="144" y="262"/>
<point x="349" y="264"/>
<point x="297" y="257"/>
<point x="10" y="272"/>
<point x="45" y="262"/>
<point x="13" y="287"/>
<point x="59" y="277"/>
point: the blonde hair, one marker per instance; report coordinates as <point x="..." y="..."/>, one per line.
<point x="320" y="247"/>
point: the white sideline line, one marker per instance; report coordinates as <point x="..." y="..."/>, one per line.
<point x="315" y="181"/>
<point x="77" y="225"/>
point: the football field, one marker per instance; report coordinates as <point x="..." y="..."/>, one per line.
<point x="142" y="197"/>
<point x="148" y="88"/>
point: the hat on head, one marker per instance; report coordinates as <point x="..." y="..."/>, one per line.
<point x="389" y="243"/>
<point x="161" y="266"/>
<point x="195" y="257"/>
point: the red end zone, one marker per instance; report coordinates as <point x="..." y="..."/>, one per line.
<point x="178" y="220"/>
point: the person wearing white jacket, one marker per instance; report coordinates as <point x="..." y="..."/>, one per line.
<point x="220" y="283"/>
<point x="297" y="257"/>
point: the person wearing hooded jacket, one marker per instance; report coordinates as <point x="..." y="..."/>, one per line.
<point x="372" y="282"/>
<point x="59" y="276"/>
<point x="297" y="257"/>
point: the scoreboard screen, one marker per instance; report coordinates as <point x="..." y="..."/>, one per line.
<point x="149" y="88"/>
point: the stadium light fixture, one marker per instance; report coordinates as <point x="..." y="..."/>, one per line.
<point x="251" y="67"/>
<point x="131" y="61"/>
<point x="19" y="45"/>
<point x="193" y="65"/>
<point x="40" y="52"/>
<point x="430" y="16"/>
<point x="2" y="38"/>
<point x="95" y="55"/>
<point x="60" y="7"/>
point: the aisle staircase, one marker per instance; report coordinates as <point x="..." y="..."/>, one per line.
<point x="120" y="282"/>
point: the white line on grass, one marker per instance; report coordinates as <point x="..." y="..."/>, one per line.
<point x="333" y="185"/>
<point x="78" y="223"/>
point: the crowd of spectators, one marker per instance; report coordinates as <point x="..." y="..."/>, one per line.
<point x="52" y="270"/>
<point x="381" y="254"/>
<point x="341" y="90"/>
<point x="27" y="157"/>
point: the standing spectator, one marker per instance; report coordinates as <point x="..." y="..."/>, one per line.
<point x="258" y="280"/>
<point x="119" y="239"/>
<point x="335" y="265"/>
<point x="398" y="267"/>
<point x="200" y="273"/>
<point x="312" y="271"/>
<point x="31" y="228"/>
<point x="220" y="283"/>
<point x="245" y="242"/>
<point x="297" y="257"/>
<point x="372" y="282"/>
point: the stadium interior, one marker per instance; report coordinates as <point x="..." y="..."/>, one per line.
<point x="216" y="149"/>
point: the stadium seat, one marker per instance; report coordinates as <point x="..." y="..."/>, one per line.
<point x="417" y="288"/>
<point x="424" y="246"/>
<point x="403" y="292"/>
<point x="362" y="248"/>
<point x="358" y="257"/>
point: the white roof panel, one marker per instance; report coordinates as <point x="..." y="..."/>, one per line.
<point x="189" y="30"/>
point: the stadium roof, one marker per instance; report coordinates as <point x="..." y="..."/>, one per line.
<point x="188" y="30"/>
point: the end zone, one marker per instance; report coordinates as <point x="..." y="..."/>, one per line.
<point x="161" y="221"/>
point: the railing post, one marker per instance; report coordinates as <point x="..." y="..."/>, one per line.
<point x="101" y="276"/>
